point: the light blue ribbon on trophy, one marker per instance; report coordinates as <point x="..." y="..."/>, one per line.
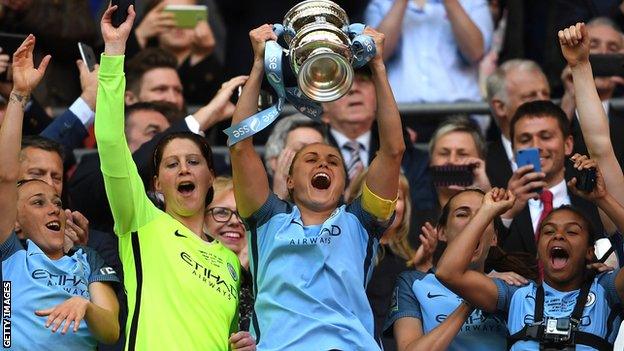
<point x="363" y="49"/>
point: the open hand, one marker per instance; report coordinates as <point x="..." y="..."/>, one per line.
<point x="154" y="23"/>
<point x="574" y="43"/>
<point x="280" y="175"/>
<point x="220" y="107"/>
<point x="73" y="310"/>
<point x="115" y="38"/>
<point x="88" y="83"/>
<point x="25" y="76"/>
<point x="203" y="40"/>
<point x="423" y="258"/>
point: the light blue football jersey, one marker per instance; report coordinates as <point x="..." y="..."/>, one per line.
<point x="310" y="280"/>
<point x="32" y="281"/>
<point x="421" y="295"/>
<point x="600" y="317"/>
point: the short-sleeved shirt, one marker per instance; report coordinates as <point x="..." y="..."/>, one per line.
<point x="421" y="295"/>
<point x="310" y="280"/>
<point x="32" y="281"/>
<point x="427" y="65"/>
<point x="601" y="316"/>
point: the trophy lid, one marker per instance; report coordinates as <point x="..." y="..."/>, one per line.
<point x="308" y="11"/>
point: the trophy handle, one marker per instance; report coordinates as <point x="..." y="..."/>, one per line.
<point x="362" y="46"/>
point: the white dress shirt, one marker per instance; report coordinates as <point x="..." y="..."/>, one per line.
<point x="560" y="198"/>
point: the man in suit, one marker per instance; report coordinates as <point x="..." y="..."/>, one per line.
<point x="542" y="125"/>
<point x="605" y="38"/>
<point x="512" y="84"/>
<point x="352" y="130"/>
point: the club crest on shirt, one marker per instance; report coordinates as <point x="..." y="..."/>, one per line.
<point x="232" y="271"/>
<point x="591" y="298"/>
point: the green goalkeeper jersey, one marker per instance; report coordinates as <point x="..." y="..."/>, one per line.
<point x="182" y="292"/>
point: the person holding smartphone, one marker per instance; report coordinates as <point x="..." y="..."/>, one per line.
<point x="544" y="126"/>
<point x="199" y="69"/>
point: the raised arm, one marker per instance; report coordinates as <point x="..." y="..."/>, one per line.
<point x="391" y="25"/>
<point x="592" y="117"/>
<point x="251" y="185"/>
<point x="383" y="174"/>
<point x="467" y="35"/>
<point x="25" y="79"/>
<point x="452" y="269"/>
<point x="125" y="191"/>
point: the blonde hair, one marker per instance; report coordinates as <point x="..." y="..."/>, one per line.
<point x="399" y="243"/>
<point x="222" y="183"/>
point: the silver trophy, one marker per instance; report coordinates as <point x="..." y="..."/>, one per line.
<point x="319" y="50"/>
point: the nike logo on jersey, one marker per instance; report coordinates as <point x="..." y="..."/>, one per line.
<point x="294" y="221"/>
<point x="178" y="234"/>
<point x="431" y="296"/>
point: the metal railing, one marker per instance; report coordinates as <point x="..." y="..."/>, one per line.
<point x="409" y="112"/>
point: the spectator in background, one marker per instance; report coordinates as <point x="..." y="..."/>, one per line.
<point x="512" y="84"/>
<point x="605" y="37"/>
<point x="542" y="125"/>
<point x="224" y="224"/>
<point x="289" y="135"/>
<point x="353" y="131"/>
<point x="458" y="142"/>
<point x="434" y="48"/>
<point x="200" y="71"/>
<point x="152" y="76"/>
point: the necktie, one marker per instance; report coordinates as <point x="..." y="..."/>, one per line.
<point x="355" y="162"/>
<point x="546" y="197"/>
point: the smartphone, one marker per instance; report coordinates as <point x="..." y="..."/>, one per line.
<point x="585" y="178"/>
<point x="88" y="56"/>
<point x="447" y="175"/>
<point x="187" y="16"/>
<point x="119" y="16"/>
<point x="607" y="65"/>
<point x="529" y="156"/>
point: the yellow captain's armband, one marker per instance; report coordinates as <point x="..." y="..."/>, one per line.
<point x="378" y="207"/>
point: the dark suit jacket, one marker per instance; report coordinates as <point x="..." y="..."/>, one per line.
<point x="415" y="167"/>
<point x="497" y="164"/>
<point x="520" y="236"/>
<point x="616" y="129"/>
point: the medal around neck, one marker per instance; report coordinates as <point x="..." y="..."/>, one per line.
<point x="323" y="49"/>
